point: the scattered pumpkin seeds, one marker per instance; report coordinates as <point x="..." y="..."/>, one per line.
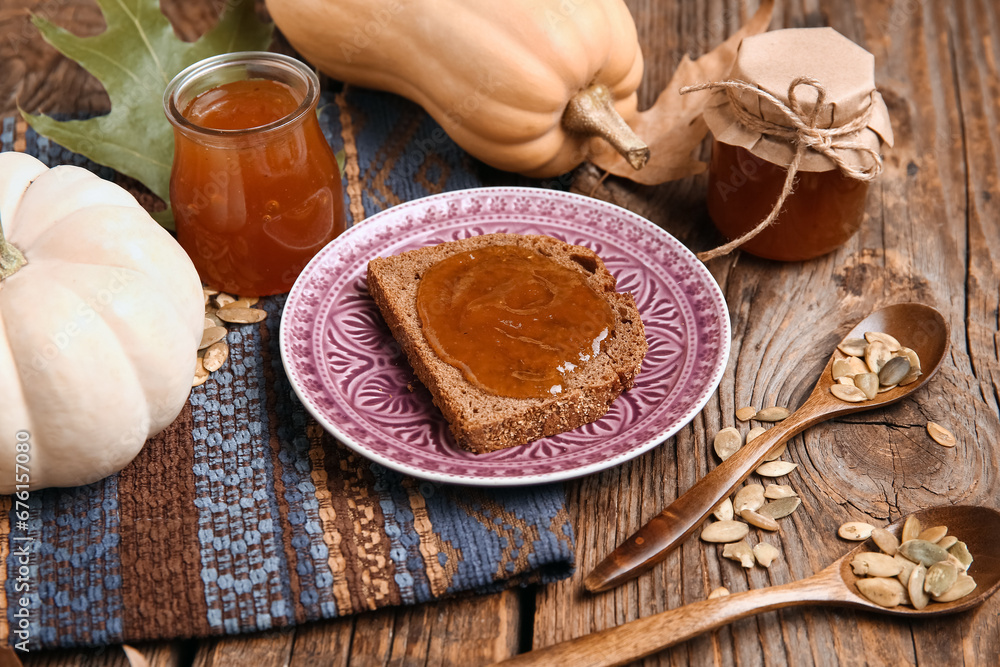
<point x="719" y="592"/>
<point x="222" y="299"/>
<point x="964" y="585"/>
<point x="215" y="356"/>
<point x="776" y="468"/>
<point x="780" y="508"/>
<point x="725" y="531"/>
<point x="774" y="491"/>
<point x="765" y="553"/>
<point x="890" y="363"/>
<point x="740" y="552"/>
<point x="210" y="336"/>
<point x="856" y="531"/>
<point x="885" y="541"/>
<point x="759" y="520"/>
<point x="848" y="393"/>
<point x="755" y="432"/>
<point x="750" y="497"/>
<point x="200" y="374"/>
<point x="241" y="315"/>
<point x="724" y="512"/>
<point x="941" y="435"/>
<point x="777" y="453"/>
<point x="745" y="414"/>
<point x="935" y="534"/>
<point x="773" y="414"/>
<point x="727" y="442"/>
<point x="911" y="528"/>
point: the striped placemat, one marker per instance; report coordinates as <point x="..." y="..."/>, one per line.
<point x="244" y="514"/>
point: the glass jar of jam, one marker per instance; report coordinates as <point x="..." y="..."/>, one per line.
<point x="803" y="96"/>
<point x="255" y="188"/>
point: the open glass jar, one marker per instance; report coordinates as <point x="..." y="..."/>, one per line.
<point x="255" y="188"/>
<point x="800" y="101"/>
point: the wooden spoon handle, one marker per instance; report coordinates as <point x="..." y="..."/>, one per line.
<point x="623" y="644"/>
<point x="651" y="543"/>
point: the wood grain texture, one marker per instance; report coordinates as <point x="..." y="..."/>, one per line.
<point x="932" y="234"/>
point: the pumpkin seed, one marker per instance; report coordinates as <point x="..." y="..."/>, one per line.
<point x="922" y="551"/>
<point x="765" y="553"/>
<point x="209" y="291"/>
<point x="853" y="347"/>
<point x="954" y="561"/>
<point x="776" y="468"/>
<point x="740" y="552"/>
<point x="847" y="381"/>
<point x="890" y="387"/>
<point x="241" y="315"/>
<point x="848" y="393"/>
<point x="725" y="531"/>
<point x="894" y="370"/>
<point x="915" y="587"/>
<point x="856" y="531"/>
<point x="215" y="319"/>
<point x="911" y="528"/>
<point x="727" y="442"/>
<point x="960" y="551"/>
<point x="252" y="300"/>
<point x="940" y="578"/>
<point x="841" y="368"/>
<point x="750" y="497"/>
<point x="935" y="534"/>
<point x="238" y="303"/>
<point x="857" y="366"/>
<point x="964" y="585"/>
<point x="947" y="542"/>
<point x="719" y="592"/>
<point x="759" y="520"/>
<point x="876" y="355"/>
<point x="210" y="336"/>
<point x="745" y="414"/>
<point x="724" y="512"/>
<point x="885" y="541"/>
<point x="772" y="414"/>
<point x="780" y="507"/>
<point x="941" y="435"/>
<point x="209" y="323"/>
<point x="222" y="299"/>
<point x="215" y="356"/>
<point x="774" y="491"/>
<point x="755" y="432"/>
<point x="890" y="343"/>
<point x="908" y="566"/>
<point x="881" y="591"/>
<point x="914" y="360"/>
<point x="200" y="374"/>
<point x="875" y="564"/>
<point x="868" y="383"/>
<point x="777" y="453"/>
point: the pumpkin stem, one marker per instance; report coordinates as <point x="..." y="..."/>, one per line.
<point x="592" y="112"/>
<point x="11" y="259"/>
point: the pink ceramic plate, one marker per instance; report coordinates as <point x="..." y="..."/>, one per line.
<point x="352" y="377"/>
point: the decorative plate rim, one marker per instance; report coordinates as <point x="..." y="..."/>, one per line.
<point x="386" y="218"/>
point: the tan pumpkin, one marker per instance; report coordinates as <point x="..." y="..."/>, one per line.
<point x="521" y="84"/>
<point x="101" y="314"/>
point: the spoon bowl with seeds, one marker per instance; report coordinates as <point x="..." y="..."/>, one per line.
<point x="920" y="328"/>
<point x="836" y="585"/>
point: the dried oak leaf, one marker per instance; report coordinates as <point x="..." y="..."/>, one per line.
<point x="135" y="59"/>
<point x="673" y="127"/>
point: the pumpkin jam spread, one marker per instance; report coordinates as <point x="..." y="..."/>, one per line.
<point x="514" y="322"/>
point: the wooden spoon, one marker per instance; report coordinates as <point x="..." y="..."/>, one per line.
<point x="921" y="328"/>
<point x="978" y="527"/>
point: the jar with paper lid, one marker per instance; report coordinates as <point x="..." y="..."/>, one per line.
<point x="799" y="128"/>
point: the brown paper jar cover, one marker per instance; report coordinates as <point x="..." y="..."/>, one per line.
<point x="748" y="169"/>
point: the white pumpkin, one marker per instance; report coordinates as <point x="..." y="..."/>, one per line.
<point x="99" y="327"/>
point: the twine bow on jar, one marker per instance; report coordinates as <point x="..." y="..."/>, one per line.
<point x="802" y="132"/>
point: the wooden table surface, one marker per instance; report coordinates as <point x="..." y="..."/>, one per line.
<point x="932" y="234"/>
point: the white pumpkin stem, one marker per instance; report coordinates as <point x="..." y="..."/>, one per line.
<point x="592" y="112"/>
<point x="11" y="259"/>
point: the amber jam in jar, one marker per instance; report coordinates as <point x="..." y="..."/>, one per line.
<point x="514" y="322"/>
<point x="824" y="210"/>
<point x="255" y="187"/>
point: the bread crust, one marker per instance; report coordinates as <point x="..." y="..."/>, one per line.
<point x="482" y="422"/>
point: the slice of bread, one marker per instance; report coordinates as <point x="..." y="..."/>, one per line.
<point x="483" y="422"/>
